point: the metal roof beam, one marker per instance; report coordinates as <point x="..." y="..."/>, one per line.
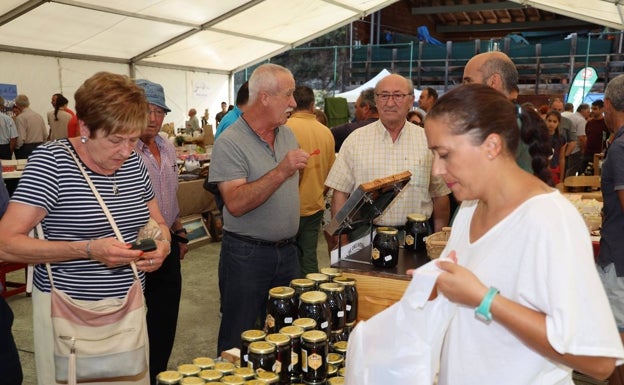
<point x="534" y="25"/>
<point x="480" y="7"/>
<point x="19" y="11"/>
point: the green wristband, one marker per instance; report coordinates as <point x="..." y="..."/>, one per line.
<point x="482" y="312"/>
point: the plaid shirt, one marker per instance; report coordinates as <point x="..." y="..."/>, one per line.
<point x="164" y="177"/>
<point x="369" y="153"/>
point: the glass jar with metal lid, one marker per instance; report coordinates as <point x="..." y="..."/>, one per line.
<point x="351" y="297"/>
<point x="340" y="347"/>
<point x="305" y="323"/>
<point x="282" y="355"/>
<point x="204" y="362"/>
<point x="262" y="355"/>
<point x="225" y="367"/>
<point x="416" y="230"/>
<point x="385" y="251"/>
<point x="336" y="302"/>
<point x="281" y="309"/>
<point x="331" y="272"/>
<point x="192" y="380"/>
<point x="267" y="377"/>
<point x="210" y="375"/>
<point x="246" y="372"/>
<point x="255" y="381"/>
<point x="169" y="377"/>
<point x="189" y="370"/>
<point x="233" y="379"/>
<point x="314" y="349"/>
<point x="314" y="305"/>
<point x="247" y="337"/>
<point x="338" y="380"/>
<point x="301" y="285"/>
<point x="335" y="359"/>
<point x="294" y="332"/>
<point x="342" y="371"/>
<point x="349" y="328"/>
<point x="318" y="278"/>
<point x="332" y="371"/>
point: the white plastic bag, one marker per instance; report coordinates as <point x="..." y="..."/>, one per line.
<point x="402" y="344"/>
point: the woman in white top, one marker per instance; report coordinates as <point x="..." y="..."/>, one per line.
<point x="531" y="306"/>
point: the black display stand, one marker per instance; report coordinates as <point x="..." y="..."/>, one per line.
<point x="365" y="204"/>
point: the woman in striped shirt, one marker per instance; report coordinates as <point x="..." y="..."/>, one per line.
<point x="88" y="262"/>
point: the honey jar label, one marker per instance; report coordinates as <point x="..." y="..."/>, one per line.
<point x="409" y="240"/>
<point x="375" y="253"/>
<point x="277" y="368"/>
<point x="304" y="360"/>
<point x="294" y="360"/>
<point x="270" y="321"/>
<point x="388" y="258"/>
<point x="315" y="361"/>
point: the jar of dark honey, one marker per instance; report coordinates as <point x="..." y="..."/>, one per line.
<point x="281" y="310"/>
<point x="262" y="356"/>
<point x="305" y="323"/>
<point x="416" y="230"/>
<point x="301" y="285"/>
<point x="385" y="251"/>
<point x="314" y="305"/>
<point x="318" y="278"/>
<point x="169" y="377"/>
<point x="233" y="379"/>
<point x="247" y="337"/>
<point x="314" y="357"/>
<point x="336" y="302"/>
<point x="331" y="272"/>
<point x="351" y="297"/>
<point x="294" y="332"/>
<point x="282" y="356"/>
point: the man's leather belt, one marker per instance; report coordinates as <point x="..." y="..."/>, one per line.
<point x="261" y="242"/>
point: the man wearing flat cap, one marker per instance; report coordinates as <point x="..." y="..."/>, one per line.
<point x="164" y="286"/>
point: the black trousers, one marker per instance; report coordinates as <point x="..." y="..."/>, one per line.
<point x="5" y="152"/>
<point x="10" y="367"/>
<point x="163" y="289"/>
<point x="25" y="151"/>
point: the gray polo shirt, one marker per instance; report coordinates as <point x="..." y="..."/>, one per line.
<point x="241" y="153"/>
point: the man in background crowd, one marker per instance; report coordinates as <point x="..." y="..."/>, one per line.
<point x="427" y="99"/>
<point x="365" y="113"/>
<point x="163" y="287"/>
<point x="242" y="97"/>
<point x="221" y="113"/>
<point x="256" y="164"/>
<point x="574" y="159"/>
<point x="596" y="132"/>
<point x="8" y="134"/>
<point x="31" y="128"/>
<point x="314" y="138"/>
<point x="192" y="125"/>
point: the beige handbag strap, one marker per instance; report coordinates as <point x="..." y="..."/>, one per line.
<point x="104" y="208"/>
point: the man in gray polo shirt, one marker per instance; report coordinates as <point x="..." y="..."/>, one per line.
<point x="256" y="164"/>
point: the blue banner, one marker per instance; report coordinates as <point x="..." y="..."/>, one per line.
<point x="581" y="85"/>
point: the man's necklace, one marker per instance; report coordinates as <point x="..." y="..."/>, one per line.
<point x="115" y="188"/>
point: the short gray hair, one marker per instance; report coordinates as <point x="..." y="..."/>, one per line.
<point x="22" y="101"/>
<point x="367" y="98"/>
<point x="615" y="92"/>
<point x="264" y="78"/>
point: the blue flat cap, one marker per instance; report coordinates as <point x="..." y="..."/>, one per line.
<point x="154" y="93"/>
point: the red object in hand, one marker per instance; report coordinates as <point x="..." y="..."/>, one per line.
<point x="315" y="152"/>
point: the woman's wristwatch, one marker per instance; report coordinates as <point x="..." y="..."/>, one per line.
<point x="180" y="231"/>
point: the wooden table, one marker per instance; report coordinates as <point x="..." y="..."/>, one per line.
<point x="379" y="288"/>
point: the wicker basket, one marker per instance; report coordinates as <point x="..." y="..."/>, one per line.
<point x="436" y="242"/>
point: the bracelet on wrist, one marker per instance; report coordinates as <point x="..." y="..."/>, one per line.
<point x="482" y="312"/>
<point x="89" y="256"/>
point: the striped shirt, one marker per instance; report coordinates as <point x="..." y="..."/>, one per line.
<point x="164" y="177"/>
<point x="368" y="153"/>
<point x="52" y="181"/>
